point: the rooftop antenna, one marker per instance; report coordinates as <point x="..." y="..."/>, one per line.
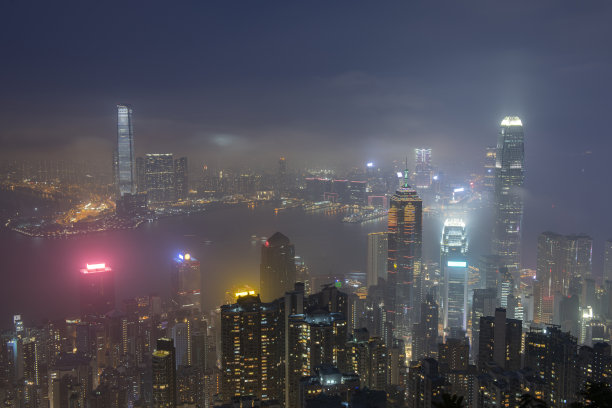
<point x="406" y="174"/>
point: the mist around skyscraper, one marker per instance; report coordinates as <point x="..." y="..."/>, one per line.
<point x="298" y="205"/>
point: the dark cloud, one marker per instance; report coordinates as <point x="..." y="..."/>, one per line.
<point x="321" y="82"/>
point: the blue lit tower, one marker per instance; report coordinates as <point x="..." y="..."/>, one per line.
<point x="509" y="176"/>
<point x="405" y="231"/>
<point x="454" y="267"/>
<point x="125" y="161"/>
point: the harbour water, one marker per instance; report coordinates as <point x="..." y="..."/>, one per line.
<point x="45" y="272"/>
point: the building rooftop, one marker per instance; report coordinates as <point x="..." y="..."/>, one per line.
<point x="511" y="121"/>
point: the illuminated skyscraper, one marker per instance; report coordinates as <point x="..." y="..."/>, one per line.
<point x="552" y="269"/>
<point x="405" y="231"/>
<point x="423" y="168"/>
<point x="579" y="255"/>
<point x="454" y="266"/>
<point x="564" y="264"/>
<point x="251" y="349"/>
<point x="377" y="258"/>
<point x="164" y="388"/>
<point x="166" y="372"/>
<point x="509" y="176"/>
<point x="186" y="282"/>
<point x="489" y="168"/>
<point x="277" y="269"/>
<point x="181" y="185"/>
<point x="125" y="161"/>
<point x="97" y="290"/>
<point x="159" y="178"/>
<point x="31" y="361"/>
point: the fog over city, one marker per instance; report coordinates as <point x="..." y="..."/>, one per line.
<point x="405" y="168"/>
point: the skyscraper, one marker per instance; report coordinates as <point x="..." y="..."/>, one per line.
<point x="423" y="168"/>
<point x="125" y="172"/>
<point x="377" y="258"/>
<point x="405" y="232"/>
<point x="181" y="185"/>
<point x="186" y="282"/>
<point x="159" y="178"/>
<point x="509" y="176"/>
<point x="251" y="349"/>
<point x="551" y="268"/>
<point x="579" y="255"/>
<point x="277" y="269"/>
<point x="181" y="335"/>
<point x="163" y="380"/>
<point x="31" y="360"/>
<point x="489" y="168"/>
<point x="164" y="373"/>
<point x="97" y="290"/>
<point x="453" y="262"/>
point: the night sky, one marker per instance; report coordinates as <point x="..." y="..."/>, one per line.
<point x="324" y="83"/>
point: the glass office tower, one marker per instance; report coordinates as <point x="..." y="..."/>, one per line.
<point x="405" y="237"/>
<point x="509" y="176"/>
<point x="454" y="265"/>
<point x="125" y="161"/>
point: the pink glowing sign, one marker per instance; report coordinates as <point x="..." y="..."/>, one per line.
<point x="96" y="266"/>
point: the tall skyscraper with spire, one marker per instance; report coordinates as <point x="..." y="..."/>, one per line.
<point x="405" y="232"/>
<point x="509" y="176"/>
<point x="125" y="160"/>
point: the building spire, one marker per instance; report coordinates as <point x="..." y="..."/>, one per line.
<point x="406" y="175"/>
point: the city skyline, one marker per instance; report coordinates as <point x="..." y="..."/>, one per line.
<point x="299" y="205"/>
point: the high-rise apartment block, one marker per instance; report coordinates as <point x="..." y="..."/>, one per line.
<point x="551" y="354"/>
<point x="314" y="339"/>
<point x="499" y="341"/>
<point x="251" y="350"/>
<point x="377" y="258"/>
